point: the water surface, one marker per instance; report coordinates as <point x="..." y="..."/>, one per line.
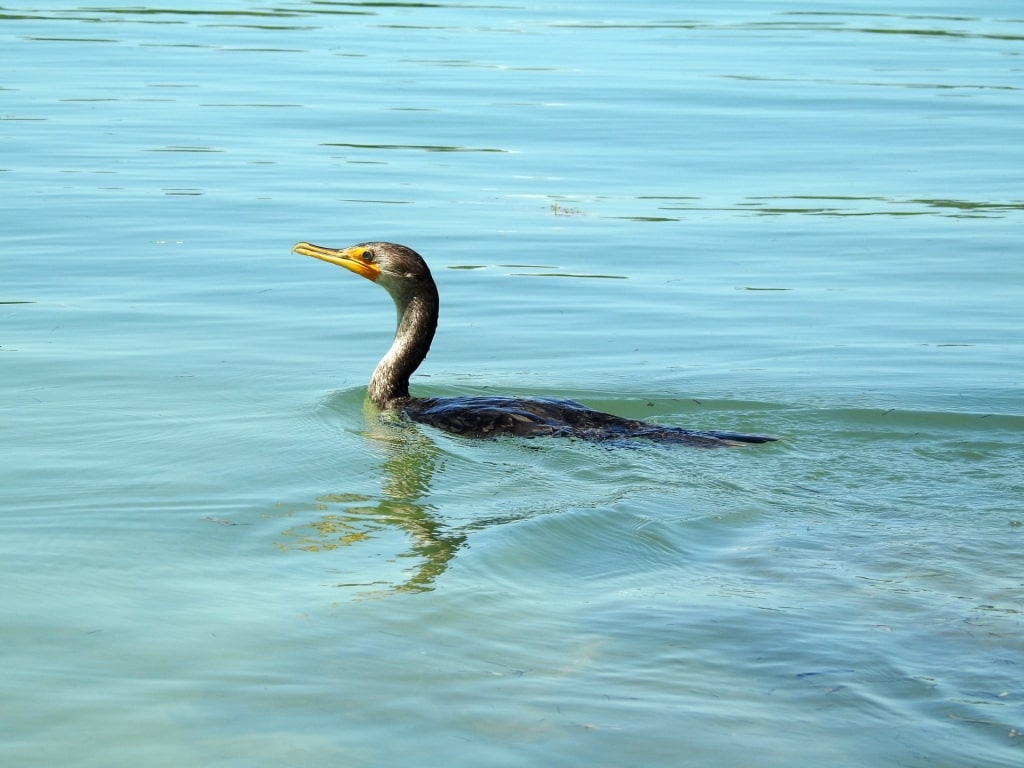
<point x="799" y="219"/>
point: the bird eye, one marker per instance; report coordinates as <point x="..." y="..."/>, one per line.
<point x="366" y="256"/>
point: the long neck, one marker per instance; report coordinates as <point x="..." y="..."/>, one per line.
<point x="417" y="321"/>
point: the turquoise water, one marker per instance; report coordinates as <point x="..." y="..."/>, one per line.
<point x="802" y="219"/>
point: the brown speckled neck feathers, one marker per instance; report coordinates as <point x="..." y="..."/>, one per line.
<point x="417" y="303"/>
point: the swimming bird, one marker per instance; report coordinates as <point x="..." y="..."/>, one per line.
<point x="406" y="277"/>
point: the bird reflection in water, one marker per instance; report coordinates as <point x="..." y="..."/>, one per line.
<point x="346" y="519"/>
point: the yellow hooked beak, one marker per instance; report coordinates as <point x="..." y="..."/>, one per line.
<point x="356" y="259"/>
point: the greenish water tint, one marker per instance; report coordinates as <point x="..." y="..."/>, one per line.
<point x="803" y="221"/>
